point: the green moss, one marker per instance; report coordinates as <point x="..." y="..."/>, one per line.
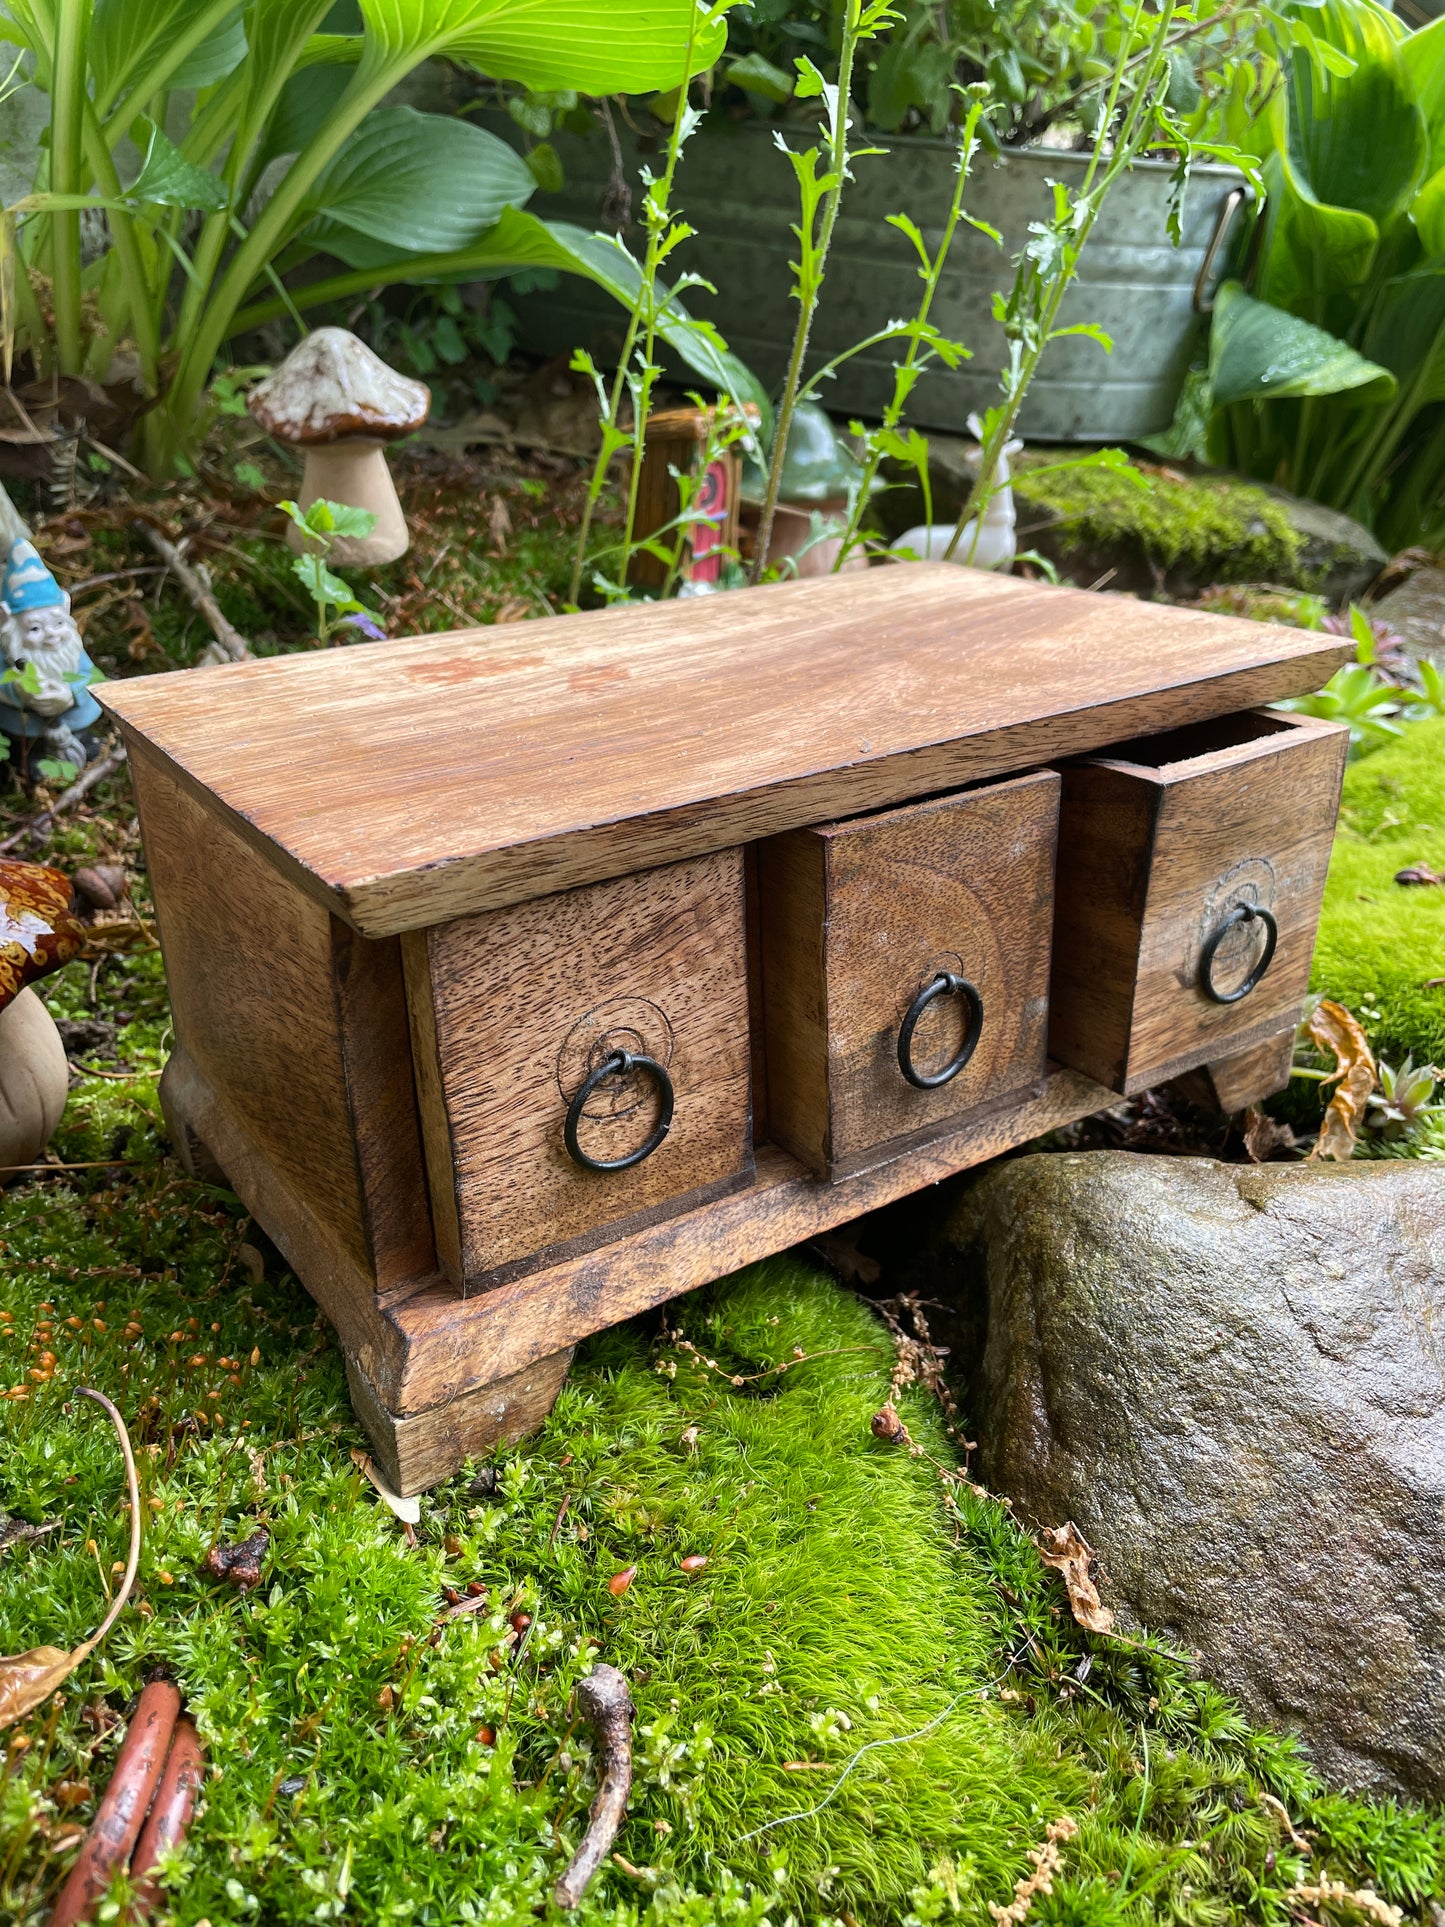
<point x="366" y="1765"/>
<point x="1381" y="942"/>
<point x="363" y="1765"/>
<point x="1229" y="530"/>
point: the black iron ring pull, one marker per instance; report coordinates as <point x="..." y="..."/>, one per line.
<point x="945" y="984"/>
<point x="1240" y="913"/>
<point x="618" y="1065"/>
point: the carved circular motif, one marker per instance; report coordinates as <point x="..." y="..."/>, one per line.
<point x="1251" y="880"/>
<point x="632" y="1024"/>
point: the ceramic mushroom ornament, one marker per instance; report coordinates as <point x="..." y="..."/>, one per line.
<point x="339" y="402"/>
<point x="38" y="933"/>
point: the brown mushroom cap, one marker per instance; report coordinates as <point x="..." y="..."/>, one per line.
<point x="38" y="933"/>
<point x="332" y="386"/>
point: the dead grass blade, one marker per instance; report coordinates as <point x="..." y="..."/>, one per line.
<point x="28" y="1679"/>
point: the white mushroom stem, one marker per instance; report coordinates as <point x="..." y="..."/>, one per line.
<point x="34" y="1081"/>
<point x="605" y="1703"/>
<point x="354" y="472"/>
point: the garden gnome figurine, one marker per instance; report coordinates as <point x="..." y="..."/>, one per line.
<point x="45" y="697"/>
<point x="340" y="403"/>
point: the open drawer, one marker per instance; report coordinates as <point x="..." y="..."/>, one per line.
<point x="905" y="964"/>
<point x="582" y="1064"/>
<point x="1191" y="870"/>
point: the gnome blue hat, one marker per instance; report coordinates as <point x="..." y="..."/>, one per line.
<point x="26" y="588"/>
<point x="27" y="583"/>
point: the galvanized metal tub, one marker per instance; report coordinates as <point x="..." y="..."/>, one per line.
<point x="737" y="189"/>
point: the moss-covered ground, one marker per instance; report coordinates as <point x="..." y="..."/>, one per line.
<point x="1381" y="948"/>
<point x="868" y="1706"/>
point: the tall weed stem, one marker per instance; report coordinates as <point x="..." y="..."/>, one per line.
<point x="1049" y="263"/>
<point x="662" y="236"/>
<point x="820" y="198"/>
<point x="923" y="341"/>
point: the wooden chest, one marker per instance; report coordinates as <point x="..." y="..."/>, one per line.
<point x="525" y="978"/>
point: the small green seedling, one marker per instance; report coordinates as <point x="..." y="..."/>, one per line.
<point x="1405" y="1100"/>
<point x="324" y="524"/>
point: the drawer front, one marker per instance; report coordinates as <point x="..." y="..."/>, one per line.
<point x="1178" y="857"/>
<point x="515" y="1010"/>
<point x="859" y="922"/>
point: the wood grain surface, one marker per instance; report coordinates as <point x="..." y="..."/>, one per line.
<point x="248" y="965"/>
<point x="857" y="918"/>
<point x="1157" y="841"/>
<point x="408" y="784"/>
<point x="1231" y="1083"/>
<point x="514" y="1008"/>
<point x="418" y="1451"/>
<point x="434" y="1347"/>
<point x="450" y="1345"/>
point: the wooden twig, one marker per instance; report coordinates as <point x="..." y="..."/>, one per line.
<point x="605" y="1703"/>
<point x="229" y="640"/>
<point x="95" y="773"/>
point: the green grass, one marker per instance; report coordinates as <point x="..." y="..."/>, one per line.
<point x="367" y="1767"/>
<point x="1381" y="942"/>
<point x="848" y="1602"/>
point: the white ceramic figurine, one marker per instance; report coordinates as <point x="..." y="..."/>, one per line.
<point x="45" y="693"/>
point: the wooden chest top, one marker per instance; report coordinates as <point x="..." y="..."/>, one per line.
<point x="405" y="784"/>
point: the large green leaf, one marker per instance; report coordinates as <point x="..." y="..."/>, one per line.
<point x="519" y="240"/>
<point x="592" y="46"/>
<point x="305" y="101"/>
<point x="1427" y="211"/>
<point x="137" y="47"/>
<point x="281" y="35"/>
<point x="424" y="182"/>
<point x="1407" y="333"/>
<point x="1315" y="257"/>
<point x="1257" y="352"/>
<point x="1423" y="55"/>
<point x="1357" y="140"/>
<point x="168" y="179"/>
<point x="219" y="54"/>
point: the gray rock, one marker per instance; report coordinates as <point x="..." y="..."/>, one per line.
<point x="1340" y="557"/>
<point x="1232" y="1378"/>
<point x="1416" y="612"/>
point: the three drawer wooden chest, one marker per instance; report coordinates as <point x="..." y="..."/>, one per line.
<point x="526" y="977"/>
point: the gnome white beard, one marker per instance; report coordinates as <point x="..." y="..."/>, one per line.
<point x="48" y="640"/>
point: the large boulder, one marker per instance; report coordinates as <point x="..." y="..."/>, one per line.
<point x="1232" y="1378"/>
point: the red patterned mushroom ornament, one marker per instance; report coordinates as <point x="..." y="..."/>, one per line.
<point x="38" y="934"/>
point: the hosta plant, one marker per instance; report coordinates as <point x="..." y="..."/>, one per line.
<point x="290" y="154"/>
<point x="1327" y="373"/>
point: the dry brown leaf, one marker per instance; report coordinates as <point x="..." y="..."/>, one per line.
<point x="1333" y="1029"/>
<point x="28" y="1679"/>
<point x="1264" y="1135"/>
<point x="462" y="1607"/>
<point x="1069" y="1553"/>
